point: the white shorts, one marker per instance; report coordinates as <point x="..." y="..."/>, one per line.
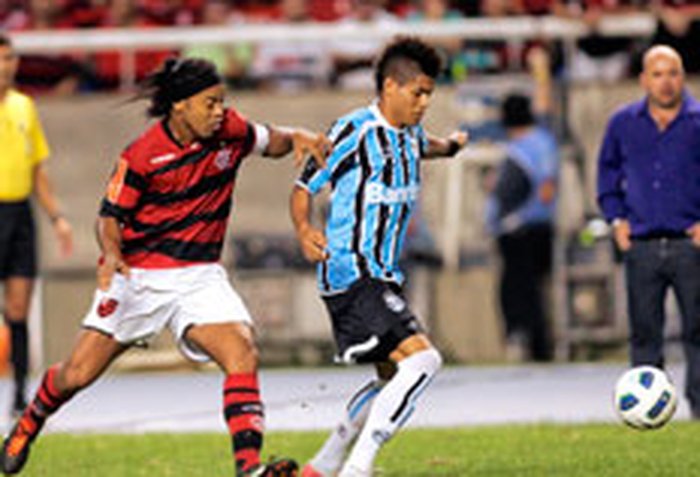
<point x="135" y="310"/>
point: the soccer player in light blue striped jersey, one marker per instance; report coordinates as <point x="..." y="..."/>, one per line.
<point x="373" y="172"/>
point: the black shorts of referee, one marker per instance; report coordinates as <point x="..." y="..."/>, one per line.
<point x="17" y="240"/>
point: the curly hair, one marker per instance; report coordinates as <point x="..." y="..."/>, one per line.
<point x="177" y="79"/>
<point x="404" y="58"/>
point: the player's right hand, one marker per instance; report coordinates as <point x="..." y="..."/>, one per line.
<point x="64" y="232"/>
<point x="313" y="244"/>
<point x="622" y="233"/>
<point x="306" y="144"/>
<point x="108" y="266"/>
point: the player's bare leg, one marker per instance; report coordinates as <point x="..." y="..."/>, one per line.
<point x="18" y="294"/>
<point x="91" y="355"/>
<point x="232" y="347"/>
<point x="417" y="363"/>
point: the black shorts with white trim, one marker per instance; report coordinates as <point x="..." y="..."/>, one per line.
<point x="370" y="320"/>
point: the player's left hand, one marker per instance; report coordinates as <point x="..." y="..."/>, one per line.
<point x="459" y="137"/>
<point x="694" y="234"/>
<point x="64" y="234"/>
<point x="306" y="143"/>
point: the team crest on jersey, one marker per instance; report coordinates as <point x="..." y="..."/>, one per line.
<point x="223" y="159"/>
<point x="394" y="302"/>
<point x="106" y="307"/>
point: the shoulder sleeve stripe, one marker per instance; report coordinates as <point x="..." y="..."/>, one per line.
<point x="107" y="209"/>
<point x="310" y="169"/>
<point x="340" y="160"/>
<point x="135" y="180"/>
<point x="343" y="134"/>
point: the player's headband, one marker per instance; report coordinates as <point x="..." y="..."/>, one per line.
<point x="185" y="81"/>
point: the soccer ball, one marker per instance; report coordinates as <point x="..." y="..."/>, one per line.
<point x="645" y="398"/>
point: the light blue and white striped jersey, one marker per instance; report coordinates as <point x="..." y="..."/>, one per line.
<point x="374" y="175"/>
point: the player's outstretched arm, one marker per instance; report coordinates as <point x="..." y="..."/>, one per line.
<point x="109" y="236"/>
<point x="311" y="240"/>
<point x="446" y="147"/>
<point x="304" y="143"/>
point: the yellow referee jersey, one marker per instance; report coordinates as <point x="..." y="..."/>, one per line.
<point x="22" y="145"/>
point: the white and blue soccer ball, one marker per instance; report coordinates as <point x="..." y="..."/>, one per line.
<point x="645" y="398"/>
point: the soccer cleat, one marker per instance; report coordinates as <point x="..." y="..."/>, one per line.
<point x="15" y="449"/>
<point x="310" y="471"/>
<point x="274" y="468"/>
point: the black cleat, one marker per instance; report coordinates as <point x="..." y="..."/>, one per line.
<point x="274" y="468"/>
<point x="15" y="449"/>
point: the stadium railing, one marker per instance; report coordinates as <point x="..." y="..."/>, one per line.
<point x="512" y="29"/>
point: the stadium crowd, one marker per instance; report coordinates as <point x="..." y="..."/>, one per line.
<point x="335" y="63"/>
<point x="317" y="63"/>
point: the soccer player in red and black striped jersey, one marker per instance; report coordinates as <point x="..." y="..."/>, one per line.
<point x="161" y="230"/>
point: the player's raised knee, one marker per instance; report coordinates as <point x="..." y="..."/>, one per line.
<point x="432" y="359"/>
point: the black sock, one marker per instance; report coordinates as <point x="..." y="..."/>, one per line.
<point x="19" y="355"/>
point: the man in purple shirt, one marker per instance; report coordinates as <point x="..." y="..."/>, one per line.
<point x="649" y="190"/>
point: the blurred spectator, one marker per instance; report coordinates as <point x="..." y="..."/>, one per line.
<point x="534" y="7"/>
<point x="292" y="65"/>
<point x="486" y="56"/>
<point x="13" y="15"/>
<point x="678" y="26"/>
<point x="259" y="10"/>
<point x="499" y="8"/>
<point x="232" y="61"/>
<point x="597" y="57"/>
<point x="449" y="48"/>
<point x="58" y="74"/>
<point x="325" y="10"/>
<point x="108" y="65"/>
<point x="353" y="59"/>
<point x="435" y="10"/>
<point x="83" y="14"/>
<point x="520" y="214"/>
<point x="168" y="12"/>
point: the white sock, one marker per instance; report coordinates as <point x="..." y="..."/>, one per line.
<point x="393" y="406"/>
<point x="330" y="457"/>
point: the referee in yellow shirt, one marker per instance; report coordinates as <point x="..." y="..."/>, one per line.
<point x="23" y="150"/>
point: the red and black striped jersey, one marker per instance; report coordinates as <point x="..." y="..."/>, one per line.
<point x="173" y="201"/>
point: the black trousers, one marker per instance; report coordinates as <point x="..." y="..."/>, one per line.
<point x="527" y="262"/>
<point x="653" y="267"/>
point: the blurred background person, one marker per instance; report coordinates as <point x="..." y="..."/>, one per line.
<point x="598" y="57"/>
<point x="47" y="73"/>
<point x="448" y="47"/>
<point x="291" y="65"/>
<point x="521" y="213"/>
<point x="678" y="26"/>
<point x="433" y="10"/>
<point x="352" y="59"/>
<point x="22" y="175"/>
<point x="233" y="61"/>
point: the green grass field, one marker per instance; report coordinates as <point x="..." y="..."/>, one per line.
<point x="538" y="451"/>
